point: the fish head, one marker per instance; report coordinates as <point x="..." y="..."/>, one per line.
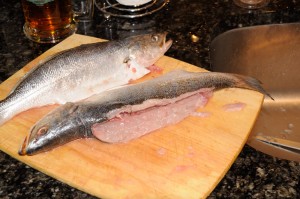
<point x="57" y="128"/>
<point x="145" y="50"/>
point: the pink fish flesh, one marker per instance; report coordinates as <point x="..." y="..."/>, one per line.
<point x="127" y="125"/>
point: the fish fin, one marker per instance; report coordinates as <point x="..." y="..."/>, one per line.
<point x="253" y="84"/>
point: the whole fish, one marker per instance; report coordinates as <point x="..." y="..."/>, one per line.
<point x="80" y="72"/>
<point x="128" y="112"/>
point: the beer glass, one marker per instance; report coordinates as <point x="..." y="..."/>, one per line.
<point x="49" y="21"/>
<point x="251" y="4"/>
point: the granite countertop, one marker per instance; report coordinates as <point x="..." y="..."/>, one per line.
<point x="253" y="174"/>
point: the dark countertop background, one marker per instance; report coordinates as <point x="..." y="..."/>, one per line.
<point x="253" y="174"/>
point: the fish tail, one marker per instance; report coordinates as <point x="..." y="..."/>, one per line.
<point x="252" y="84"/>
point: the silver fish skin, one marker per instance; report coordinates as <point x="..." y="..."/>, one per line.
<point x="80" y="72"/>
<point x="75" y="120"/>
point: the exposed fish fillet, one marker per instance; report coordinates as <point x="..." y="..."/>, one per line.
<point x="128" y="125"/>
<point x="157" y="96"/>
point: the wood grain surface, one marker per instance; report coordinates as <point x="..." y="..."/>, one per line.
<point x="186" y="160"/>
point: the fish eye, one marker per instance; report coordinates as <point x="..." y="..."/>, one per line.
<point x="154" y="38"/>
<point x="42" y="131"/>
<point x="126" y="60"/>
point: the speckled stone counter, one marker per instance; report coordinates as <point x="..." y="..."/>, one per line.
<point x="253" y="174"/>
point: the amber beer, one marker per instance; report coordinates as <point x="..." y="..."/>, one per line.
<point x="48" y="21"/>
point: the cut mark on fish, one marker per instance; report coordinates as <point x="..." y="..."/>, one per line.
<point x="133" y="70"/>
<point x="155" y="69"/>
<point x="138" y="123"/>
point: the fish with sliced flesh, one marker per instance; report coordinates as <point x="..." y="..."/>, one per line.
<point x="126" y="113"/>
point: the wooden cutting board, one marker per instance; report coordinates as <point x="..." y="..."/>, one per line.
<point x="186" y="160"/>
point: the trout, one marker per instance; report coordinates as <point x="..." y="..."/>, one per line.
<point x="126" y="113"/>
<point x="80" y="72"/>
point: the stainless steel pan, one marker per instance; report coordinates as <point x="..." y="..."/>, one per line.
<point x="271" y="53"/>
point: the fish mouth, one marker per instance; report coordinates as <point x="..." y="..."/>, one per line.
<point x="26" y="149"/>
<point x="165" y="45"/>
<point x="22" y="151"/>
